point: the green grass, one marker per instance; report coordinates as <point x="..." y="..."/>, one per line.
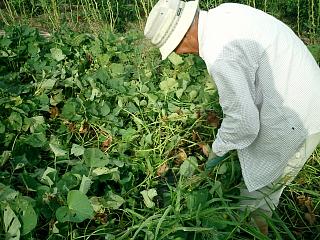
<point x="91" y="15"/>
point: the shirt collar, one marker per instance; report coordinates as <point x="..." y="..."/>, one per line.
<point x="201" y="31"/>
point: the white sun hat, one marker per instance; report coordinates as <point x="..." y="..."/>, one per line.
<point x="168" y="22"/>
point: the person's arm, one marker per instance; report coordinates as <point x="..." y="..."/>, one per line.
<point x="240" y="125"/>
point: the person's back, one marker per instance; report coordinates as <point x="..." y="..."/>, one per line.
<point x="283" y="78"/>
<point x="230" y="25"/>
<point x="268" y="85"/>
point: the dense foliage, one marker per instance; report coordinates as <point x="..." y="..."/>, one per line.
<point x="101" y="140"/>
<point x="98" y="140"/>
<point x="88" y="129"/>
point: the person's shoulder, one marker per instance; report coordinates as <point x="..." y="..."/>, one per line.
<point x="232" y="6"/>
<point x="235" y="8"/>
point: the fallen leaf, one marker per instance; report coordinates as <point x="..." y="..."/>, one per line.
<point x="101" y="217"/>
<point x="54" y="112"/>
<point x="162" y="170"/>
<point x="306" y="202"/>
<point x="84" y="128"/>
<point x="179" y="112"/>
<point x="89" y="58"/>
<point x="297" y="233"/>
<point x="310" y="217"/>
<point x="195" y="136"/>
<point x="213" y="119"/>
<point x="181" y="157"/>
<point x="198" y="114"/>
<point x="72" y="127"/>
<point x="194" y="181"/>
<point x="300" y="180"/>
<point x="106" y="144"/>
<point x="205" y="149"/>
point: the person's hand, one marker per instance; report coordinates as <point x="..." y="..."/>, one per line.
<point x="213" y="160"/>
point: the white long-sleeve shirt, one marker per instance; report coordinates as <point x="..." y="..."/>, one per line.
<point x="269" y="88"/>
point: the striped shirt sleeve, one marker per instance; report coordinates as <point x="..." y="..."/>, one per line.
<point x="240" y="125"/>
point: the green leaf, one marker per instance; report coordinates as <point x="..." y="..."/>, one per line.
<point x="48" y="177"/>
<point x="63" y="214"/>
<point x="26" y="124"/>
<point x="169" y="85"/>
<point x="57" y="54"/>
<point x="152" y="99"/>
<point x="77" y="150"/>
<point x="57" y="150"/>
<point x="36" y="122"/>
<point x="43" y="101"/>
<point x="30" y="182"/>
<point x="216" y="188"/>
<point x="96" y="203"/>
<point x="103" y="59"/>
<point x="103" y="171"/>
<point x="117" y="68"/>
<point x="132" y="108"/>
<point x="188" y="167"/>
<point x="78" y="39"/>
<point x="11" y="224"/>
<point x="5" y="156"/>
<point x="37" y="140"/>
<point x="85" y="184"/>
<point x="185" y="76"/>
<point x="112" y="201"/>
<point x="6" y="193"/>
<point x="315" y="50"/>
<point x="28" y="219"/>
<point x="179" y="93"/>
<point x="68" y="181"/>
<point x="196" y="199"/>
<point x="15" y="121"/>
<point x="222" y="168"/>
<point x="94" y="157"/>
<point x="148" y="196"/>
<point x="5" y="42"/>
<point x="33" y="48"/>
<point x="57" y="98"/>
<point x="45" y="86"/>
<point x="128" y="135"/>
<point x="70" y="110"/>
<point x="145" y="89"/>
<point x="104" y="109"/>
<point x="78" y="209"/>
<point x="94" y="93"/>
<point x="2" y="128"/>
<point x="193" y="94"/>
<point x="109" y="236"/>
<point x="175" y="59"/>
<point x="95" y="48"/>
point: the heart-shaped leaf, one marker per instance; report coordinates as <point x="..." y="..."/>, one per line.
<point x="94" y="157"/>
<point x="78" y="209"/>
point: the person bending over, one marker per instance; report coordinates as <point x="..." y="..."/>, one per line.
<point x="268" y="85"/>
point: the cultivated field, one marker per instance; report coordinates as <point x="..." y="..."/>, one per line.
<point x="99" y="139"/>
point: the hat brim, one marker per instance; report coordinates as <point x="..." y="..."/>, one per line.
<point x="180" y="30"/>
